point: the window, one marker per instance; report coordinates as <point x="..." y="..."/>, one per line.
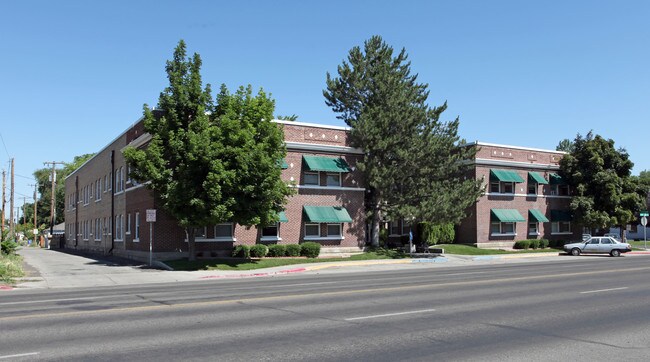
<point x="118" y="227"/>
<point x="136" y="236"/>
<point x="105" y="183"/>
<point x="333" y="179"/>
<point x="98" y="189"/>
<point x="406" y="228"/>
<point x="224" y="230"/>
<point x="311" y="178"/>
<point x="312" y="230"/>
<point x="333" y="230"/>
<point x="502" y="187"/>
<point x="91" y="188"/>
<point x="200" y="233"/>
<point x="394" y="227"/>
<point x="502" y="228"/>
<point x="271" y="231"/>
<point x="128" y="224"/>
<point x="561" y="227"/>
<point x="532" y="228"/>
<point x="98" y="229"/>
<point x="128" y="174"/>
<point x="560" y="190"/>
<point x="532" y="188"/>
<point x="606" y="241"/>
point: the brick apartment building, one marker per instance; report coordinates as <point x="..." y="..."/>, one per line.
<point x="524" y="198"/>
<point x="105" y="209"/>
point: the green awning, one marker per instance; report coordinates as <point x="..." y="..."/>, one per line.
<point x="536" y="177"/>
<point x="283" y="216"/>
<point x="505" y="176"/>
<point x="561" y="215"/>
<point x="506" y="215"/>
<point x="556" y="179"/>
<point x="329" y="214"/>
<point x="327" y="164"/>
<point x="537" y="215"/>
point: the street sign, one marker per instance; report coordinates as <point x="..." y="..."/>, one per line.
<point x="644" y="221"/>
<point x="644" y="213"/>
<point x="151" y="215"/>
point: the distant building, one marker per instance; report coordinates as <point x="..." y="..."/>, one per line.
<point x="524" y="198"/>
<point x="105" y="208"/>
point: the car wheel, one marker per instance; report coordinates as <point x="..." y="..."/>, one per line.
<point x="575" y="251"/>
<point x="615" y="253"/>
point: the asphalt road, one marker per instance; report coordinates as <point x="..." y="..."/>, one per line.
<point x="583" y="309"/>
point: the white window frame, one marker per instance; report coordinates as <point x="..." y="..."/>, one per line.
<point x="225" y="238"/>
<point x="531" y="185"/>
<point x="204" y="235"/>
<point x="557" y="230"/>
<point x="118" y="228"/>
<point x="340" y="227"/>
<point x="128" y="224"/>
<point x="275" y="237"/>
<point x="502" y="227"/>
<point x="312" y="235"/>
<point x="393" y="228"/>
<point x="136" y="235"/>
<point x="308" y="173"/>
<point x="534" y="230"/>
<point x="332" y="174"/>
<point x="98" y="190"/>
<point x="98" y="229"/>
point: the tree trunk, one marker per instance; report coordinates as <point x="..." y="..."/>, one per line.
<point x="191" y="247"/>
<point x="376" y="222"/>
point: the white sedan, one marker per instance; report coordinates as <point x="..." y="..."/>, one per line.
<point x="598" y="244"/>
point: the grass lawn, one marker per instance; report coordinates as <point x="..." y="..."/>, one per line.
<point x="243" y="264"/>
<point x="638" y="244"/>
<point x="11" y="267"/>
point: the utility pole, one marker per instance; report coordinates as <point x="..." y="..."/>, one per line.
<point x="12" y="226"/>
<point x="24" y="203"/>
<point x="35" y="206"/>
<point x="4" y="201"/>
<point x="53" y="198"/>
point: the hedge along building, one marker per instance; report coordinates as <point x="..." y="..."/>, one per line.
<point x="106" y="210"/>
<point x="524" y="198"/>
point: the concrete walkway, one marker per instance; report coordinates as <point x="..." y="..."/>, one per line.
<point x="56" y="269"/>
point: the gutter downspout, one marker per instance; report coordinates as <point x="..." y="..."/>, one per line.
<point x="110" y="251"/>
<point x="76" y="211"/>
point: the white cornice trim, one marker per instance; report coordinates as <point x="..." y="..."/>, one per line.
<point x="315" y="125"/>
<point x="528" y="165"/>
<point x="318" y="147"/>
<point x="144" y="138"/>
<point x="335" y="188"/>
<point x="478" y="143"/>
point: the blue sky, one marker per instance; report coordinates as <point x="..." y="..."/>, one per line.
<point x="75" y="74"/>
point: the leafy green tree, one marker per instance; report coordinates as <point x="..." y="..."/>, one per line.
<point x="44" y="182"/>
<point x="291" y="118"/>
<point x="565" y="145"/>
<point x="209" y="164"/>
<point x="605" y="194"/>
<point x="413" y="163"/>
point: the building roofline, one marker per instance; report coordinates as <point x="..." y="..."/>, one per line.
<point x="315" y="125"/>
<point x="479" y="143"/>
<point x="106" y="147"/>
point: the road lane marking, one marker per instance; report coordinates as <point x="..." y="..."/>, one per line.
<point x="304" y="295"/>
<point x="602" y="290"/>
<point x="20" y="355"/>
<point x="389" y="315"/>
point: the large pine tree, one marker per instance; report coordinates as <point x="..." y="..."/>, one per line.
<point x="413" y="163"/>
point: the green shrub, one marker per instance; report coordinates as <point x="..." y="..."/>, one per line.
<point x="242" y="251"/>
<point x="433" y="234"/>
<point x="534" y="244"/>
<point x="11" y="267"/>
<point x="310" y="249"/>
<point x="543" y="243"/>
<point x="8" y="247"/>
<point x="293" y="250"/>
<point x="259" y="250"/>
<point x="522" y="244"/>
<point x="276" y="250"/>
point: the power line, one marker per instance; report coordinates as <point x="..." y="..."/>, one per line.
<point x="5" y="145"/>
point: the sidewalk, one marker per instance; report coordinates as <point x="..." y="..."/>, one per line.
<point x="56" y="269"/>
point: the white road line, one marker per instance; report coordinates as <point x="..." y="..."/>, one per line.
<point x="389" y="315"/>
<point x="20" y="355"/>
<point x="602" y="290"/>
<point x="61" y="300"/>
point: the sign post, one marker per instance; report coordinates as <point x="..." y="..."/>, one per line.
<point x="151" y="218"/>
<point x="644" y="222"/>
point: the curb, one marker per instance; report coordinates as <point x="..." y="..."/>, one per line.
<point x="255" y="275"/>
<point x="6" y="287"/>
